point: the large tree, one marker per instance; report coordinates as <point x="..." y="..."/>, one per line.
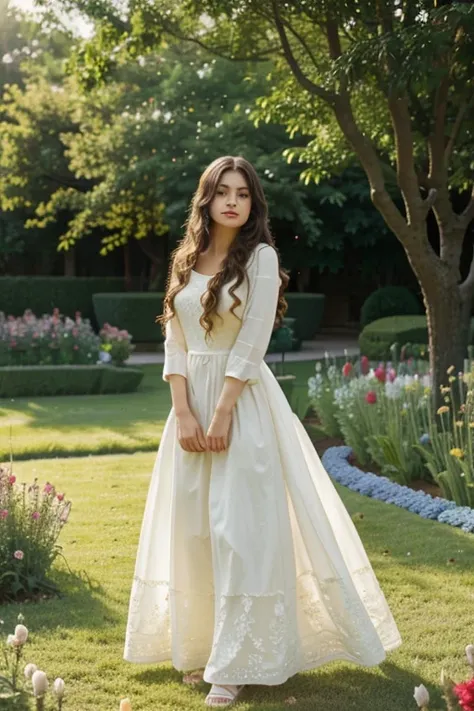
<point x="389" y="80"/>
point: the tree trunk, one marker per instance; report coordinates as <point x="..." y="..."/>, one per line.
<point x="448" y="331"/>
<point x="70" y="262"/>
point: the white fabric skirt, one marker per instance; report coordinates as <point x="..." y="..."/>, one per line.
<point x="248" y="564"/>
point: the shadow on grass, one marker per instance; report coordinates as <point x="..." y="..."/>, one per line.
<point x="328" y="688"/>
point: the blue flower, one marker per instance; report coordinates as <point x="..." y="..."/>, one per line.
<point x="425" y="439"/>
<point x="380" y="487"/>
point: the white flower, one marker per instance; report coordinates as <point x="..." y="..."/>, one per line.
<point x="12" y="641"/>
<point x="470" y="654"/>
<point x="125" y="705"/>
<point x="21" y="633"/>
<point x="105" y="357"/>
<point x="30" y="670"/>
<point x="40" y="683"/>
<point x="421" y="696"/>
<point x="58" y="687"/>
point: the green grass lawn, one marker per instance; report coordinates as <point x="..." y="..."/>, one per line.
<point x="80" y="637"/>
<point x="97" y="424"/>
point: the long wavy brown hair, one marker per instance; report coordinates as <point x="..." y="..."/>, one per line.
<point x="197" y="239"/>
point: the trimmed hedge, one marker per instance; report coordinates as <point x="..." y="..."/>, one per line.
<point x="376" y="338"/>
<point x="308" y="310"/>
<point x="389" y="301"/>
<point x="134" y="311"/>
<point x="43" y="294"/>
<point x="34" y="380"/>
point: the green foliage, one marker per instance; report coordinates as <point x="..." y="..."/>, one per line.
<point x="32" y="381"/>
<point x="389" y="301"/>
<point x="377" y="339"/>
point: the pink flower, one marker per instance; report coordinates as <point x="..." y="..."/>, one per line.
<point x="3" y="513"/>
<point x="35" y="335"/>
<point x="371" y="397"/>
<point x="75" y="348"/>
<point x="12" y="344"/>
<point x="380" y="374"/>
<point x="77" y="315"/>
<point x="75" y="332"/>
<point x="347" y="369"/>
<point x="392" y="374"/>
<point x="18" y="555"/>
<point x="11" y="479"/>
<point x="48" y="488"/>
<point x="35" y="515"/>
<point x="60" y="497"/>
<point x="364" y="365"/>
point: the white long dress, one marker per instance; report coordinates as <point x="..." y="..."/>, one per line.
<point x="248" y="563"/>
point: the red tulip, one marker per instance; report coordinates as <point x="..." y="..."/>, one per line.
<point x="371" y="397"/>
<point x="380" y="374"/>
<point x="347" y="369"/>
<point x="465" y="694"/>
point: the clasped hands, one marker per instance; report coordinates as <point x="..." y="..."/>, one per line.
<point x="191" y="435"/>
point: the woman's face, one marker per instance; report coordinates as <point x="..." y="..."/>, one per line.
<point x="231" y="204"/>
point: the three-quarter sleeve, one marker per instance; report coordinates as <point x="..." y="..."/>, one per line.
<point x="175" y="350"/>
<point x="258" y="318"/>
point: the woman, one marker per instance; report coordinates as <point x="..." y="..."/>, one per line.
<point x="248" y="566"/>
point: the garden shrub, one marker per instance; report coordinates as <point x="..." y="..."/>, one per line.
<point x="43" y="294"/>
<point x="377" y="338"/>
<point x="133" y="311"/>
<point x="33" y="381"/>
<point x="307" y="309"/>
<point x="389" y="301"/>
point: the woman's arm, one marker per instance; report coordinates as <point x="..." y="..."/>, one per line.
<point x="251" y="344"/>
<point x="175" y="365"/>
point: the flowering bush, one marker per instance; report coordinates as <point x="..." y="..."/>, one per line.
<point x="116" y="344"/>
<point x="30" y="523"/>
<point x="50" y="340"/>
<point x="59" y="340"/>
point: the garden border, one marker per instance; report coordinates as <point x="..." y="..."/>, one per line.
<point x="436" y="508"/>
<point x="55" y="380"/>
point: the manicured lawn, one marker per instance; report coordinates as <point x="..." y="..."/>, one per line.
<point x="80" y="637"/>
<point x="96" y="424"/>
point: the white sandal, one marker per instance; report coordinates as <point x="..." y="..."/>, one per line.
<point x="227" y="695"/>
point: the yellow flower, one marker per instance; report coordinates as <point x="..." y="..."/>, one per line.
<point x="443" y="410"/>
<point x="451" y="378"/>
<point x="445" y="390"/>
<point x="451" y="369"/>
<point x="471" y="425"/>
<point x="456" y="452"/>
<point x="459" y="423"/>
<point x="427" y="391"/>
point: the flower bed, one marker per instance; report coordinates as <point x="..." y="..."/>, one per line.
<point x="57" y="355"/>
<point x="386" y="415"/>
<point x="335" y="461"/>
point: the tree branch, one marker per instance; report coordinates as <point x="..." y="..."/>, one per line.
<point x="305" y="81"/>
<point x="407" y="178"/>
